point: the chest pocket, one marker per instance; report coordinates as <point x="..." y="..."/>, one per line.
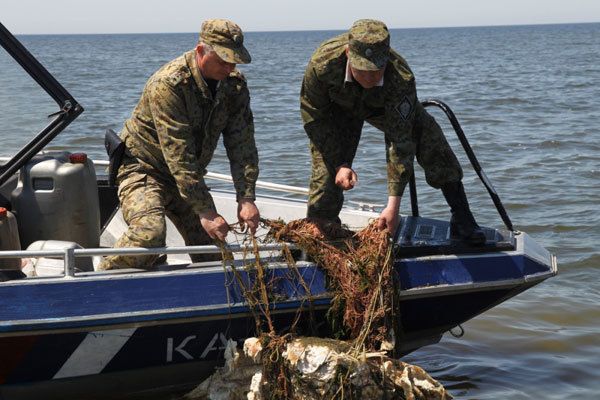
<point x="197" y="110"/>
<point x="344" y="100"/>
<point x="214" y="122"/>
<point x="219" y="118"/>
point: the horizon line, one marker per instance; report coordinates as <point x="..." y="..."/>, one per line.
<point x="322" y="30"/>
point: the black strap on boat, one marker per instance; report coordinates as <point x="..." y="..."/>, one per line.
<point x="115" y="148"/>
<point x="474" y="162"/>
<point x="414" y="204"/>
<point x="69" y="108"/>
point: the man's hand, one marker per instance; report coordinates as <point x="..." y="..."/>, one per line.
<point x="248" y="214"/>
<point x="389" y="216"/>
<point x="214" y="224"/>
<point x="345" y="177"/>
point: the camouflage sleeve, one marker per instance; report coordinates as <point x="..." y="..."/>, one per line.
<point x="238" y="138"/>
<point x="399" y="166"/>
<point x="403" y="119"/>
<point x="177" y="143"/>
<point x="315" y="108"/>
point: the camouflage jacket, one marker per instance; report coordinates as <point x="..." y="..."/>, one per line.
<point x="175" y="128"/>
<point x="392" y="108"/>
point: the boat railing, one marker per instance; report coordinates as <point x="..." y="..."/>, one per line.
<point x="472" y="159"/>
<point x="222" y="177"/>
<point x="227" y="178"/>
<point x="70" y="254"/>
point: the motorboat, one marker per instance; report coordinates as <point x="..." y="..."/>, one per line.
<point x="70" y="331"/>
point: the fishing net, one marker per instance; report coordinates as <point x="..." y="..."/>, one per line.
<point x="359" y="270"/>
<point x="363" y="311"/>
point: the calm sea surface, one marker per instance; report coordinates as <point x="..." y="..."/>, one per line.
<point x="527" y="97"/>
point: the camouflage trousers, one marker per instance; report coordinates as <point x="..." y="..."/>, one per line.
<point x="426" y="142"/>
<point x="145" y="201"/>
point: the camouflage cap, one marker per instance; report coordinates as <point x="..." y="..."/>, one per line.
<point x="368" y="45"/>
<point x="227" y="39"/>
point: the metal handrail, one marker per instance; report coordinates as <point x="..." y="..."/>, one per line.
<point x="472" y="158"/>
<point x="261" y="184"/>
<point x="226" y="178"/>
<point x="70" y="254"/>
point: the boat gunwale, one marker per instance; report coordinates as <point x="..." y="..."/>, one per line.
<point x="280" y="307"/>
<point x="193" y="268"/>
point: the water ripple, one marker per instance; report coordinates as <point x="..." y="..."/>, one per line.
<point x="526" y="97"/>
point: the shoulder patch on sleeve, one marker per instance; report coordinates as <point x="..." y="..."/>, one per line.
<point x="405" y="108"/>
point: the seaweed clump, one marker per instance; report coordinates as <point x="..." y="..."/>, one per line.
<point x="359" y="270"/>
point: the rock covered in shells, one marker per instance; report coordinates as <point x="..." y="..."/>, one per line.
<point x="316" y="367"/>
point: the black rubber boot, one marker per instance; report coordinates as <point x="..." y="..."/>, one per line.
<point x="462" y="224"/>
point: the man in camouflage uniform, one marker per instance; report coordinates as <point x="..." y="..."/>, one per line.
<point x="357" y="77"/>
<point x="170" y="139"/>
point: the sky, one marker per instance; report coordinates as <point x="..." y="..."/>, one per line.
<point x="142" y="16"/>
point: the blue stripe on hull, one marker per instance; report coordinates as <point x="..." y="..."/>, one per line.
<point x="84" y="302"/>
<point x="451" y="271"/>
<point x="81" y="297"/>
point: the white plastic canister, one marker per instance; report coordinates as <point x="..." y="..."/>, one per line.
<point x="50" y="266"/>
<point x="57" y="199"/>
<point x="9" y="239"/>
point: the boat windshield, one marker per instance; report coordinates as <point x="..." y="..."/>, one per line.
<point x="25" y="104"/>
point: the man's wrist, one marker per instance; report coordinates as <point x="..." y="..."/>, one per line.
<point x="344" y="165"/>
<point x="209" y="214"/>
<point x="394" y="202"/>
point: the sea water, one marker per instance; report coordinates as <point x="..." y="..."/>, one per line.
<point x="527" y="99"/>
